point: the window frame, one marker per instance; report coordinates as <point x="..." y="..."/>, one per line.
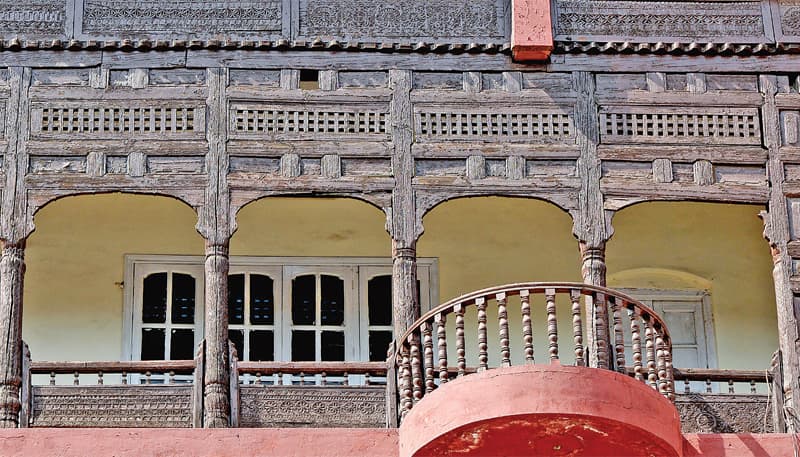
<point x="138" y="266"/>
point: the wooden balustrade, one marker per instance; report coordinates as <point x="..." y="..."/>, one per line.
<point x="731" y="380"/>
<point x="307" y="373"/>
<point x="421" y="367"/>
<point x="147" y="371"/>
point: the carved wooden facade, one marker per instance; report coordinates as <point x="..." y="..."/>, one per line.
<point x="417" y="103"/>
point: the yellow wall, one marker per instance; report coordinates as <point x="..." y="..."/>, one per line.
<point x="73" y="309"/>
<point x="696" y="246"/>
<point x="311" y="227"/>
<point x="482" y="242"/>
<point x="72" y="306"/>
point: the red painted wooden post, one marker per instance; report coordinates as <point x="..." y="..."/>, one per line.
<point x="531" y="30"/>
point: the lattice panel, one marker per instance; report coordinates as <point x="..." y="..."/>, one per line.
<point x="652" y="126"/>
<point x="294" y="123"/>
<point x="117" y="121"/>
<point x="466" y="125"/>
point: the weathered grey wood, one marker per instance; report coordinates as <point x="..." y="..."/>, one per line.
<point x="12" y="271"/>
<point x="405" y="225"/>
<point x="198" y="385"/>
<point x="328" y="80"/>
<point x="291" y="166"/>
<point x="216" y="227"/>
<point x="776" y="231"/>
<point x="703" y="173"/>
<point x="234" y="385"/>
<point x="25" y="388"/>
<point x="776" y="375"/>
<point x="331" y="166"/>
<point x="392" y="398"/>
<point x="662" y="170"/>
<point x="476" y="167"/>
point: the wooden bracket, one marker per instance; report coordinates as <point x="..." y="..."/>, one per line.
<point x="531" y="30"/>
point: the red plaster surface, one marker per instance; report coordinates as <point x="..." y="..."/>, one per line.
<point x="296" y="442"/>
<point x="543" y="410"/>
<point x="745" y="445"/>
<point x="531" y="30"/>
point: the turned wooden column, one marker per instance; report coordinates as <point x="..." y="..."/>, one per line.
<point x="593" y="270"/>
<point x="404" y="287"/>
<point x="12" y="272"/>
<point x="216" y="386"/>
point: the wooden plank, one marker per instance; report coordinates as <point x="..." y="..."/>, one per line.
<point x="197" y="385"/>
<point x="313" y="368"/>
<point x="25" y="388"/>
<point x="755" y="155"/>
<point x="129" y="366"/>
<point x="234" y="385"/>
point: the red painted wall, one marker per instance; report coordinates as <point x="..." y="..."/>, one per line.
<point x="294" y="443"/>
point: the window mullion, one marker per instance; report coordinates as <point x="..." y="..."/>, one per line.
<point x="318" y="318"/>
<point x="246" y="320"/>
<point x="168" y="319"/>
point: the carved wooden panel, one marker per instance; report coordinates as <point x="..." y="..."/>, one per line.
<point x="285" y="122"/>
<point x="38" y="18"/>
<point x="724" y="413"/>
<point x="602" y="20"/>
<point x="111" y="406"/>
<point x="448" y="20"/>
<point x="654" y="125"/>
<point x="787" y="20"/>
<point x="286" y="406"/>
<point x="528" y="125"/>
<point x="124" y="18"/>
<point x="119" y="120"/>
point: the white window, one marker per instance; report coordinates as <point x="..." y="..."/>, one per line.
<point x="689" y="320"/>
<point x="286" y="309"/>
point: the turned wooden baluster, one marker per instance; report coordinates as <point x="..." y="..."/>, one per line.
<point x="670" y="373"/>
<point x="661" y="363"/>
<point x="76" y="381"/>
<point x="483" y="345"/>
<point x="636" y="343"/>
<point x="99" y="378"/>
<point x="730" y="386"/>
<point x="441" y="337"/>
<point x="124" y="377"/>
<point x="461" y="357"/>
<point x="601" y="330"/>
<point x="527" y="327"/>
<point x="502" y="320"/>
<point x="577" y="327"/>
<point x="552" y="324"/>
<point x="416" y="366"/>
<point x="650" y="352"/>
<point x="52" y="378"/>
<point x="406" y="389"/>
<point x="619" y="339"/>
<point x="427" y="344"/>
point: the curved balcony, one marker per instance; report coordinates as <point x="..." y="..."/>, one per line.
<point x="456" y="381"/>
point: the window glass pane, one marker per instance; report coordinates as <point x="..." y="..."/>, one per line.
<point x="262" y="345"/>
<point x="332" y="346"/>
<point x="154" y="299"/>
<point x="379" y="341"/>
<point x="380" y="300"/>
<point x="332" y="312"/>
<point x="182" y="344"/>
<point x="262" y="301"/>
<point x="182" y="299"/>
<point x="237" y="338"/>
<point x="303" y="346"/>
<point x="304" y="299"/>
<point x="152" y="344"/>
<point x="236" y="299"/>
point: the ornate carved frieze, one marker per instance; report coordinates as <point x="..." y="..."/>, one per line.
<point x="298" y="122"/>
<point x="32" y="17"/>
<point x="651" y="125"/>
<point x="724" y="413"/>
<point x="111" y="406"/>
<point x="117" y="120"/>
<point x="789" y="17"/>
<point x="480" y="19"/>
<point x="202" y="18"/>
<point x="528" y="125"/>
<point x="285" y="406"/>
<point x="652" y="21"/>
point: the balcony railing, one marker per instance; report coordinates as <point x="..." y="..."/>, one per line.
<point x="596" y="319"/>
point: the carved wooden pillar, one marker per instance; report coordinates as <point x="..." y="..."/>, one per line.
<point x="216" y="388"/>
<point x="12" y="272"/>
<point x="404" y="287"/>
<point x="591" y="227"/>
<point x="776" y="230"/>
<point x="403" y="222"/>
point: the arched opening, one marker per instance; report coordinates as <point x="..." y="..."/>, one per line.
<point x="714" y="287"/>
<point x="487" y="241"/>
<point x="75" y="288"/>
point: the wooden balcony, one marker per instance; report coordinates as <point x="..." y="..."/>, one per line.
<point x="475" y="333"/>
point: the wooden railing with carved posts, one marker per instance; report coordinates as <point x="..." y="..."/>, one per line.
<point x="142" y="393"/>
<point x="598" y="317"/>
